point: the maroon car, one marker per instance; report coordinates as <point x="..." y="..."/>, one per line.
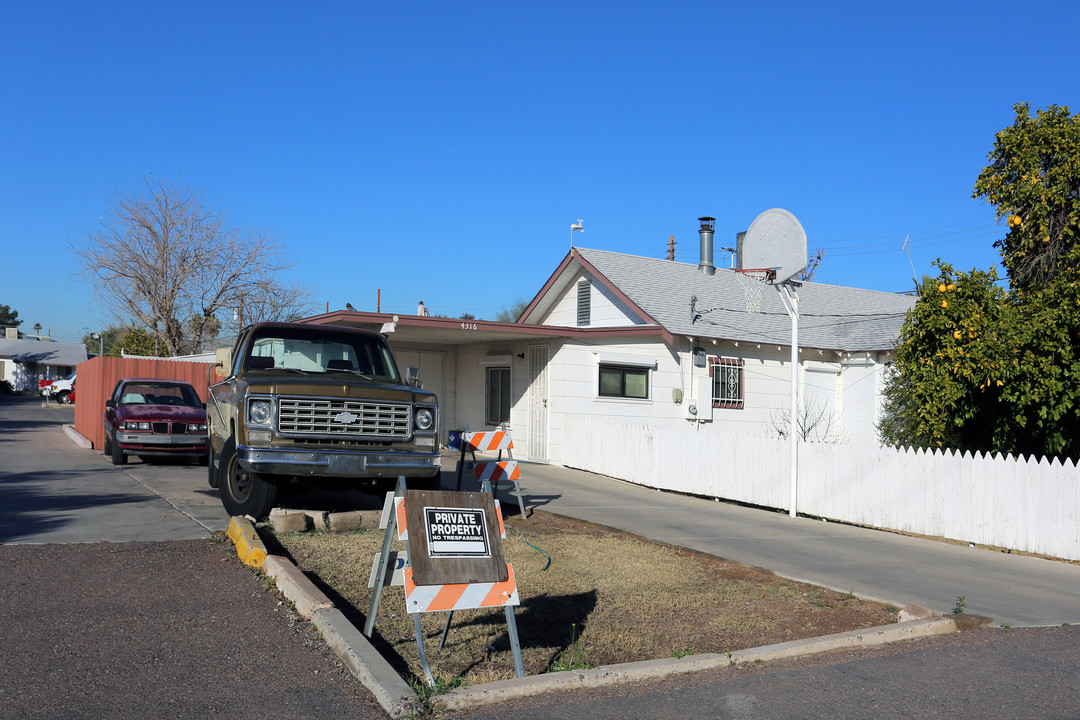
<point x="154" y="418"/>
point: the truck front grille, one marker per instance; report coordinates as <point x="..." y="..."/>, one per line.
<point x="351" y="418"/>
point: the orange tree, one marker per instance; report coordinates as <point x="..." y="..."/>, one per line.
<point x="982" y="368"/>
<point x="1033" y="182"/>
<point x="951" y="364"/>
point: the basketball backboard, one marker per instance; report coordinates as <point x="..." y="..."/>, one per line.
<point x="775" y="240"/>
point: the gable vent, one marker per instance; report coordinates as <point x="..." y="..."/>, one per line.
<point x="584" y="302"/>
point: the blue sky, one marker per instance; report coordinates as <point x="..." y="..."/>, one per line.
<point x="441" y="151"/>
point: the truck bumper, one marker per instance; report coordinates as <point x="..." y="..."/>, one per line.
<point x="326" y="463"/>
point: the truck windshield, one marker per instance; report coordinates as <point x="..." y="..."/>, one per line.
<point x="322" y="350"/>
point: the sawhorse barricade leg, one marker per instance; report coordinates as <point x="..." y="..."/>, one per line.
<point x="390" y="519"/>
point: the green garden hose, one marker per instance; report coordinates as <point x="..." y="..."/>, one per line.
<point x="548" y="563"/>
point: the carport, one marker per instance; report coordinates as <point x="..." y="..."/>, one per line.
<point x="485" y="373"/>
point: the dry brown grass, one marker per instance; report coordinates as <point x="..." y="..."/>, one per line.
<point x="606" y="597"/>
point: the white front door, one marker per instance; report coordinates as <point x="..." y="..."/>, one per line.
<point x="538" y="403"/>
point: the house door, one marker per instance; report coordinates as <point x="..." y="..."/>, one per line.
<point x="538" y="403"/>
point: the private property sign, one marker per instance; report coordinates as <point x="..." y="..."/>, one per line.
<point x="456" y="532"/>
<point x="459" y="541"/>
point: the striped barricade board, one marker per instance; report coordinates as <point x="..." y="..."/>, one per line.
<point x="497" y="470"/>
<point x="460" y="596"/>
<point x="491" y="441"/>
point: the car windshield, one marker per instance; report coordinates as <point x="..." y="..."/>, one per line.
<point x="322" y="351"/>
<point x="159" y="393"/>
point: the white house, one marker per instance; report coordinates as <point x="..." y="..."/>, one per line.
<point x="23" y="361"/>
<point x="615" y="335"/>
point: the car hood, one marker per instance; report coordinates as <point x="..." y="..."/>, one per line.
<point x="171" y="413"/>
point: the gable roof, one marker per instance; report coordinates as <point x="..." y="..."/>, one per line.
<point x="662" y="291"/>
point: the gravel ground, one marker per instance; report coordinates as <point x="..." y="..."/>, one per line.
<point x="163" y="630"/>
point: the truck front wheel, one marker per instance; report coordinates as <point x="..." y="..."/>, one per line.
<point x="243" y="492"/>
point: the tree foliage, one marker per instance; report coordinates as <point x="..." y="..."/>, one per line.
<point x="168" y="261"/>
<point x="512" y="313"/>
<point x="982" y="368"/>
<point x="9" y="317"/>
<point x="948" y="371"/>
<point x="1033" y="180"/>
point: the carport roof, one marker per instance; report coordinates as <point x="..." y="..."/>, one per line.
<point x="455" y="331"/>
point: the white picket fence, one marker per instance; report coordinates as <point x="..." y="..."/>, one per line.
<point x="1020" y="504"/>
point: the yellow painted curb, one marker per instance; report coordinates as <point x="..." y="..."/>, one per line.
<point x="249" y="547"/>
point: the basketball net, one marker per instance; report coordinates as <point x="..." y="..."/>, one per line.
<point x="753" y="283"/>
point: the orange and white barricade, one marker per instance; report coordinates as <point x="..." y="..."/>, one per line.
<point x="460" y="596"/>
<point x="490" y="472"/>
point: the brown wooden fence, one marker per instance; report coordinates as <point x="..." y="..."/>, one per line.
<point x="98" y="376"/>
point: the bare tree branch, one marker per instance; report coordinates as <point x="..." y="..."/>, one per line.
<point x="169" y="260"/>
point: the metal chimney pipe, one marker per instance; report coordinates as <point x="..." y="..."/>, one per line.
<point x="708" y="225"/>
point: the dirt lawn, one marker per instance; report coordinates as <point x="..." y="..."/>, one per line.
<point x="605" y="598"/>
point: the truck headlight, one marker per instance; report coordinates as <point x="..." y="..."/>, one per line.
<point x="259" y="412"/>
<point x="425" y="419"/>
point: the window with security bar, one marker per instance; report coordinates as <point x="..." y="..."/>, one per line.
<point x="727" y="382"/>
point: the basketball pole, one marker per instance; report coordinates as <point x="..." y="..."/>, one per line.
<point x="791" y="303"/>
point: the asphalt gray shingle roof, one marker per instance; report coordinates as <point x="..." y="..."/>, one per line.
<point x="43" y="352"/>
<point x="830" y="316"/>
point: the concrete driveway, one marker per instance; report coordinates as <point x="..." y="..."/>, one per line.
<point x="57" y="492"/>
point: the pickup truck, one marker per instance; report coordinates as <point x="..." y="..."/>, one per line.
<point x="300" y="405"/>
<point x="63" y="390"/>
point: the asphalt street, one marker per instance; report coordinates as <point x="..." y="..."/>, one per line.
<point x="115" y="602"/>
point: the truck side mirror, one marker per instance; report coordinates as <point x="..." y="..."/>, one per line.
<point x="412" y="377"/>
<point x="223" y="357"/>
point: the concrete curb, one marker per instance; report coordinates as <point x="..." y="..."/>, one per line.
<point x="296" y="586"/>
<point x="504" y="690"/>
<point x="366" y="663"/>
<point x="78" y="438"/>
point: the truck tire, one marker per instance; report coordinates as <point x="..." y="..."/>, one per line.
<point x="108" y="444"/>
<point x="243" y="492"/>
<point x="64" y="397"/>
<point x="118" y="456"/>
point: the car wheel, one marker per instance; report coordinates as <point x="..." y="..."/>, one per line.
<point x="108" y="444"/>
<point x="64" y="397"/>
<point x="243" y="492"/>
<point x="118" y="456"/>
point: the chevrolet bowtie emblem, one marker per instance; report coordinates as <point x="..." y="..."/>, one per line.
<point x="346" y="417"/>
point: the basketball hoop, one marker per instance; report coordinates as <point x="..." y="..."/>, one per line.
<point x="753" y="282"/>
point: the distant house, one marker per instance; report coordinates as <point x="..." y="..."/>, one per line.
<point x="24" y="361"/>
<point x="651" y="341"/>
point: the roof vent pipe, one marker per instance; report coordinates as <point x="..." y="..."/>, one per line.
<point x="708" y="225"/>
